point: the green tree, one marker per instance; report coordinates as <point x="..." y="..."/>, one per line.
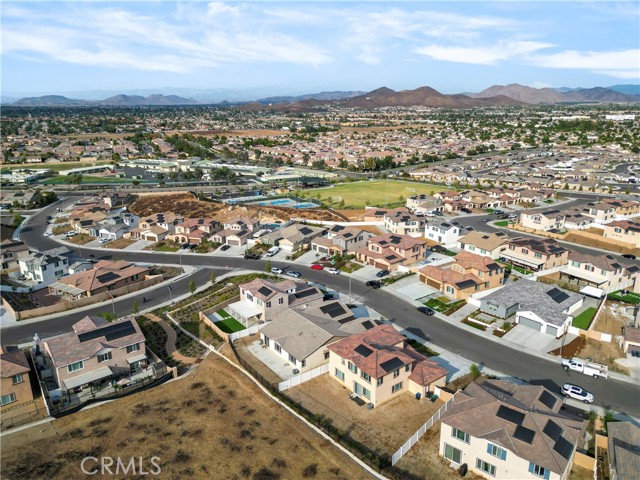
<point x="192" y="287"/>
<point x="108" y="316"/>
<point x="267" y="267"/>
<point x="136" y="182"/>
<point x="135" y="308"/>
<point x="17" y="220"/>
<point x="474" y="371"/>
<point x="213" y="278"/>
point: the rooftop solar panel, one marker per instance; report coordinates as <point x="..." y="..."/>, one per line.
<point x="557" y="296"/>
<point x="391" y="365"/>
<point x="107" y="277"/>
<point x="305" y="230"/>
<point x="510" y="415"/>
<point x="305" y="293"/>
<point x="363" y="350"/>
<point x="524" y="434"/>
<point x="110" y="332"/>
<point x="563" y="447"/>
<point x="265" y="291"/>
<point x="547" y="399"/>
<point x="333" y="309"/>
<point x="367" y="324"/>
<point x="553" y="430"/>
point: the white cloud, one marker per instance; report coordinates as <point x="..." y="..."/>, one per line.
<point x="487" y="55"/>
<point x="620" y="63"/>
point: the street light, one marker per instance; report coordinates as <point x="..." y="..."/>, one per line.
<point x="113" y="305"/>
<point x="170" y="291"/>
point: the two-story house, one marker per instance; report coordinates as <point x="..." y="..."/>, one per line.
<point x="401" y="222"/>
<point x="602" y="271"/>
<point x="602" y="212"/>
<point x="42" y="267"/>
<point x="378" y="365"/>
<point x="624" y="207"/>
<point x="625" y="231"/>
<point x="422" y="204"/>
<point x="237" y="231"/>
<point x="12" y="251"/>
<point x="506" y="431"/>
<point x="195" y="230"/>
<point x="15" y="386"/>
<point x="484" y="244"/>
<point x="534" y="254"/>
<point x="467" y="274"/>
<point x="389" y="250"/>
<point x="95" y="351"/>
<point x="547" y="220"/>
<point x="156" y="228"/>
<point x="445" y="233"/>
<point x="341" y="240"/>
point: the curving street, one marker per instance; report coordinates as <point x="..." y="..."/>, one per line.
<point x="619" y="395"/>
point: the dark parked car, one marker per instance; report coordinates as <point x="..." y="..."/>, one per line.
<point x="427" y="310"/>
<point x="251" y="256"/>
<point x="438" y="249"/>
<point x="438" y="214"/>
<point x="629" y="256"/>
<point x="465" y="210"/>
<point x="374" y="284"/>
<point x="504" y="216"/>
<point x="383" y="273"/>
<point x="225" y="247"/>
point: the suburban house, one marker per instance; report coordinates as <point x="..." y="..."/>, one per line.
<point x="155" y="228"/>
<point x="388" y="251"/>
<point x="547" y="220"/>
<point x="540" y="306"/>
<point x="485" y="244"/>
<point x="266" y="299"/>
<point x="194" y="230"/>
<point x="630" y="339"/>
<point x="12" y="251"/>
<point x="576" y="220"/>
<point x="467" y="274"/>
<point x="624" y="207"/>
<point x="115" y="199"/>
<point x="623" y="439"/>
<point x="424" y="203"/>
<point x="445" y="233"/>
<point x="402" y="222"/>
<point x="15" y="386"/>
<point x="534" y="254"/>
<point x="602" y="271"/>
<point x="601" y="211"/>
<point x="95" y="351"/>
<point x="378" y="365"/>
<point x="505" y="431"/>
<point x="105" y="276"/>
<point x="626" y="231"/>
<point x="43" y="267"/>
<point x="20" y="199"/>
<point x="341" y="240"/>
<point x="292" y="237"/>
<point x="237" y="231"/>
<point x="301" y="335"/>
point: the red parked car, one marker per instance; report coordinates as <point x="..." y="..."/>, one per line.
<point x="317" y="266"/>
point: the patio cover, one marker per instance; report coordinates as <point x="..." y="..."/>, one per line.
<point x="246" y="310"/>
<point x="88" y="377"/>
<point x="137" y="358"/>
<point x="63" y="287"/>
<point x="592" y="291"/>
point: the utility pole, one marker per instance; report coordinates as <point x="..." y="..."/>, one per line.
<point x="113" y="305"/>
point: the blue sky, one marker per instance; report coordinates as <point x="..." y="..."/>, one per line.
<point x="58" y="47"/>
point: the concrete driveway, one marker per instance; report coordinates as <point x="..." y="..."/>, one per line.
<point x="368" y="272"/>
<point x="412" y="288"/>
<point x="6" y="317"/>
<point x="529" y="338"/>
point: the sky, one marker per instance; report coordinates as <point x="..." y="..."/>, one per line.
<point x="292" y="47"/>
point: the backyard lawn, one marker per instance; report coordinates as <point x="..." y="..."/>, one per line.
<point x="631" y="297"/>
<point x="584" y="319"/>
<point x="230" y="325"/>
<point x="377" y="193"/>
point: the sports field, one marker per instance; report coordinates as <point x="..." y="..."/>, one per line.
<point x="377" y="193"/>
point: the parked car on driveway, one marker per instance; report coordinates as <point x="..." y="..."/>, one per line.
<point x="465" y="210"/>
<point x="71" y="233"/>
<point x="276" y="270"/>
<point x="317" y="266"/>
<point x="427" y="310"/>
<point x="374" y="284"/>
<point x="104" y="240"/>
<point x="294" y="274"/>
<point x="251" y="256"/>
<point x="332" y="271"/>
<point x="382" y="273"/>
<point x="574" y="391"/>
<point x="630" y="256"/>
<point x="224" y="248"/>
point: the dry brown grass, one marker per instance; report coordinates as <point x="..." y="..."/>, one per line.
<point x="604" y="244"/>
<point x="81" y="239"/>
<point x="60" y="229"/>
<point x="119" y="243"/>
<point x="609" y="321"/>
<point x="603" y="352"/>
<point x="213" y="424"/>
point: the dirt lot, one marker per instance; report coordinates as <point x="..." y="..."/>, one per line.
<point x="610" y="321"/>
<point x="212" y="424"/>
<point x="185" y="204"/>
<point x="424" y="462"/>
<point x="383" y="429"/>
<point x="119" y="243"/>
<point x="604" y="353"/>
<point x="603" y="244"/>
<point x="81" y="239"/>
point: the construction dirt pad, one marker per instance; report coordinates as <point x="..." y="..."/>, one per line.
<point x="215" y="423"/>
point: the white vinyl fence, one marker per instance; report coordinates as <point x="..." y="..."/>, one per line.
<point x="421" y="431"/>
<point x="245" y="333"/>
<point x="303" y="377"/>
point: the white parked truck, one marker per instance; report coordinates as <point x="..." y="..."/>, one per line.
<point x="588" y="368"/>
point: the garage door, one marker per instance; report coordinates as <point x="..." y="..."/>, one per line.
<point x="551" y="330"/>
<point x="527" y="322"/>
<point x="234" y="243"/>
<point x="433" y="283"/>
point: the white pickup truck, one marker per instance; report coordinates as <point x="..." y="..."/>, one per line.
<point x="588" y="368"/>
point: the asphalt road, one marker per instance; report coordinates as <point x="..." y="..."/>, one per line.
<point x="613" y="394"/>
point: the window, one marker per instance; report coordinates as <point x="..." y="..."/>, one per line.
<point x="326" y="355"/>
<point x="538" y="255"/>
<point x="397" y="387"/>
<point x="396" y="373"/>
<point x="340" y="375"/>
<point x="16" y="379"/>
<point x="525" y="251"/>
<point x="277" y="347"/>
<point x="452" y="453"/>
<point x="365" y="376"/>
<point x="280" y="301"/>
<point x="75" y="366"/>
<point x="104" y="357"/>
<point x="538" y="471"/>
<point x="589" y="268"/>
<point x="292" y="359"/>
<point x="133" y="348"/>
<point x="360" y="390"/>
<point x="486" y="467"/>
<point x="496" y="451"/>
<point x="303" y="363"/>
<point x="7" y="399"/>
<point x="268" y="304"/>
<point x="460" y="435"/>
<point x="380" y="381"/>
<point x="575" y="264"/>
<point x="352" y="367"/>
<point x="407" y="368"/>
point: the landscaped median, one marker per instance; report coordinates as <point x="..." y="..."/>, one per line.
<point x="444" y="305"/>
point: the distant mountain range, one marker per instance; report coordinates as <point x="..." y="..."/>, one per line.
<point x="497" y="95"/>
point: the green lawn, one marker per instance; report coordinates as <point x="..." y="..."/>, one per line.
<point x="377" y="193"/>
<point x="166" y="248"/>
<point x="584" y="319"/>
<point x="230" y="325"/>
<point x="502" y="223"/>
<point x="56" y="167"/>
<point x="631" y="297"/>
<point x="223" y="314"/>
<point x="550" y="201"/>
<point x="88" y="179"/>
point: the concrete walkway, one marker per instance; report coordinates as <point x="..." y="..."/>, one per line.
<point x="171" y="340"/>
